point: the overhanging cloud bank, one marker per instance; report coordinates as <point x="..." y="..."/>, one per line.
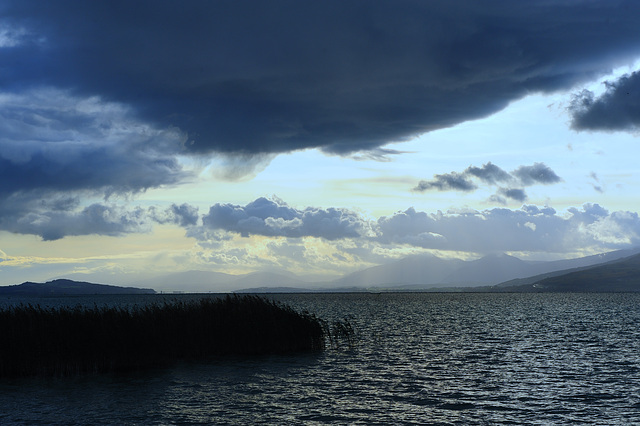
<point x="57" y="151"/>
<point x="256" y="77"/>
<point x="276" y="218"/>
<point x="617" y="109"/>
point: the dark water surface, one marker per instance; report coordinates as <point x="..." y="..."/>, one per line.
<point x="422" y="358"/>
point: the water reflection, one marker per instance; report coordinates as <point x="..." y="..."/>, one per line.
<point x="450" y="358"/>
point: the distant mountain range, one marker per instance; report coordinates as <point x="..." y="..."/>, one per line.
<point x="62" y="287"/>
<point x="498" y="272"/>
<point x="412" y="273"/>
<point x="424" y="272"/>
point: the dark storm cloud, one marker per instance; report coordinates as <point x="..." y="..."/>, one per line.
<point x="537" y="173"/>
<point x="489" y="173"/>
<point x="56" y="150"/>
<point x="275" y="218"/>
<point x="445" y="182"/>
<point x="52" y="142"/>
<point x="348" y="75"/>
<point x="89" y="170"/>
<point x="183" y="215"/>
<point x="617" y="109"/>
<point x="514" y="194"/>
<point x="95" y="219"/>
<point x="58" y="216"/>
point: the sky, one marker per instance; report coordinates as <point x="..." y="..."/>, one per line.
<point x="149" y="137"/>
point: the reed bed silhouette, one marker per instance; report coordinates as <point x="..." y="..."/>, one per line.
<point x="78" y="340"/>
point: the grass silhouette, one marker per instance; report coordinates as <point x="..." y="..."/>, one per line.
<point x="68" y="341"/>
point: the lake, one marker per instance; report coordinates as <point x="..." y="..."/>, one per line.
<point x="421" y="358"/>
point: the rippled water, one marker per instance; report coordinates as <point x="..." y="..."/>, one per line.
<point x="421" y="359"/>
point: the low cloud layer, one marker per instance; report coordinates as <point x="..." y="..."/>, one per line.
<point x="530" y="228"/>
<point x="267" y="77"/>
<point x="274" y="218"/>
<point x="490" y="174"/>
<point x="617" y="109"/>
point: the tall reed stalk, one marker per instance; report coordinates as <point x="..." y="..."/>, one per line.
<point x="65" y="341"/>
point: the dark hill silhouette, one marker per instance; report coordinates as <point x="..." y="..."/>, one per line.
<point x="64" y="287"/>
<point x="616" y="276"/>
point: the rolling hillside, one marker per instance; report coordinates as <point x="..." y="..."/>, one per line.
<point x="616" y="276"/>
<point x="64" y="287"/>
